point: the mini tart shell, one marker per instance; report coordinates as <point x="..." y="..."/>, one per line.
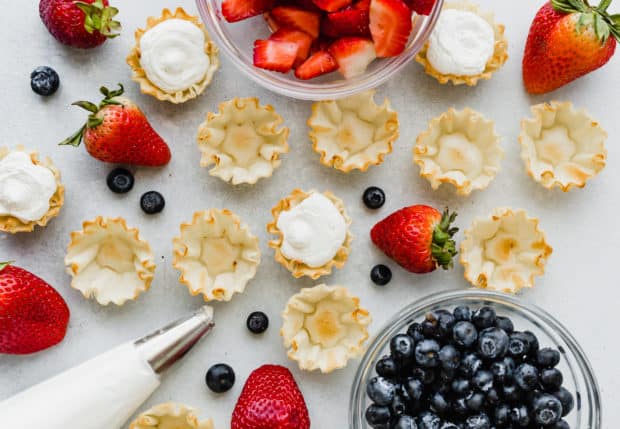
<point x="98" y="260"/>
<point x="12" y="224"/>
<point x="504" y="252"/>
<point x="334" y="136"/>
<point x="323" y="327"/>
<point x="479" y="131"/>
<point x="170" y="416"/>
<point x="253" y="123"/>
<point x="298" y="268"/>
<point x="139" y="74"/>
<point x="584" y="146"/>
<point x="499" y="58"/>
<point x="211" y="235"/>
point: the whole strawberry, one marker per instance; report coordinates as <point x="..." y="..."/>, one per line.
<point x="568" y="39"/>
<point x="117" y="131"/>
<point x="419" y="238"/>
<point x="33" y="316"/>
<point x="81" y="24"/>
<point x="270" y="400"/>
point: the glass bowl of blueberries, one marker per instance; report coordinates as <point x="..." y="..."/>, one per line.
<point x="473" y="359"/>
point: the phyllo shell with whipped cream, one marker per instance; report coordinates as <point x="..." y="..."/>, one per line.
<point x="323" y="327"/>
<point x="170" y="416"/>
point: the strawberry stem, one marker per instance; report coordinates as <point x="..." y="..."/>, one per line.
<point x="443" y="247"/>
<point x="98" y="17"/>
<point x="597" y="18"/>
<point x="3" y="265"/>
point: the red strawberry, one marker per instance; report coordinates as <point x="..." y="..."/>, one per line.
<point x="419" y="238"/>
<point x="390" y="26"/>
<point x="33" y="316"/>
<point x="362" y="5"/>
<point x="332" y="5"/>
<point x="301" y="39"/>
<point x="347" y="22"/>
<point x="270" y="400"/>
<point x="237" y="10"/>
<point x="291" y="16"/>
<point x="318" y="64"/>
<point x="421" y="7"/>
<point x="117" y="131"/>
<point x="353" y="54"/>
<point x="567" y="40"/>
<point x="81" y="24"/>
<point x="271" y="23"/>
<point x="275" y="55"/>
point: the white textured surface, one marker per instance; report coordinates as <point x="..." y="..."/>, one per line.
<point x="580" y="287"/>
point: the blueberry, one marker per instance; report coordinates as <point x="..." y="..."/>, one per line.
<point x="44" y="81"/>
<point x="257" y="322"/>
<point x="405" y="422"/>
<point x="484" y="318"/>
<point x="505" y="324"/>
<point x="425" y="375"/>
<point x="441" y="386"/>
<point x="533" y="342"/>
<point x="386" y="367"/>
<point x="381" y="390"/>
<point x="415" y="331"/>
<point x="566" y="399"/>
<point x="547" y="358"/>
<point x="443" y="320"/>
<point x="220" y="378"/>
<point x="483" y="380"/>
<point x="478" y="421"/>
<point x="428" y="420"/>
<point x="501" y="415"/>
<point x="526" y="377"/>
<point x="470" y="363"/>
<point x="374" y="198"/>
<point x="492" y="397"/>
<point x="475" y="401"/>
<point x="501" y="371"/>
<point x="447" y="374"/>
<point x="414" y="388"/>
<point x="399" y="404"/>
<point x="546" y="409"/>
<point x="459" y="406"/>
<point x="493" y="343"/>
<point x="518" y="344"/>
<point x="403" y="348"/>
<point x="439" y="403"/>
<point x="462" y="313"/>
<point x="380" y="275"/>
<point x="427" y="353"/>
<point x="560" y="425"/>
<point x="511" y="393"/>
<point x="519" y="416"/>
<point x="460" y="386"/>
<point x="120" y="181"/>
<point x="448" y="425"/>
<point x="551" y="379"/>
<point x="465" y="334"/>
<point x="449" y="357"/>
<point x="152" y="202"/>
<point x="378" y="416"/>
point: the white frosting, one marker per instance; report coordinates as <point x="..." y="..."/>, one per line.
<point x="173" y="55"/>
<point x="313" y="231"/>
<point x="461" y="43"/>
<point x="25" y="188"/>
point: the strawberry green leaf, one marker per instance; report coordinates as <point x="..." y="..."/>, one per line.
<point x="3" y="265"/>
<point x="75" y="139"/>
<point x="99" y="17"/>
<point x="603" y="5"/>
<point x="601" y="28"/>
<point x="443" y="247"/>
<point x="87" y="105"/>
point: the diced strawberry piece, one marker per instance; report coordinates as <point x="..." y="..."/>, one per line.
<point x="421" y="7"/>
<point x="295" y="17"/>
<point x="390" y="26"/>
<point x="321" y="44"/>
<point x="271" y="23"/>
<point x="332" y="5"/>
<point x="301" y="39"/>
<point x="362" y="5"/>
<point x="353" y="54"/>
<point x="275" y="55"/>
<point x="318" y="64"/>
<point x="237" y="10"/>
<point x="347" y="22"/>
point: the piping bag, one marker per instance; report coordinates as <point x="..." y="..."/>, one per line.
<point x="104" y="392"/>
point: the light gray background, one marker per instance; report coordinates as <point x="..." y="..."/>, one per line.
<point x="580" y="286"/>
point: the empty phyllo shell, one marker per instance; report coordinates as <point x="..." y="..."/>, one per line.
<point x="109" y="261"/>
<point x="460" y="148"/>
<point x="244" y="141"/>
<point x="353" y="132"/>
<point x="216" y="255"/>
<point x="312" y="230"/>
<point x="170" y="416"/>
<point x="323" y="327"/>
<point x="504" y="252"/>
<point x="562" y="146"/>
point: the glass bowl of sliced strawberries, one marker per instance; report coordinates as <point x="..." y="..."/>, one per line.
<point x="320" y="49"/>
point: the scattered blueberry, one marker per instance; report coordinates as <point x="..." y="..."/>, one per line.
<point x="120" y="180"/>
<point x="547" y="409"/>
<point x="257" y="322"/>
<point x="377" y="415"/>
<point x="566" y="399"/>
<point x="551" y="379"/>
<point x="493" y="343"/>
<point x="381" y="275"/>
<point x="44" y="81"/>
<point x="152" y="202"/>
<point x="465" y="334"/>
<point x="374" y="197"/>
<point x="381" y="391"/>
<point x="547" y="358"/>
<point x="220" y="378"/>
<point x="405" y="422"/>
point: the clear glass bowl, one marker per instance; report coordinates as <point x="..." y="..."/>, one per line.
<point x="236" y="40"/>
<point x="579" y="378"/>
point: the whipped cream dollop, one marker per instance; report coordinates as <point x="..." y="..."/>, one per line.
<point x="173" y="55"/>
<point x="461" y="43"/>
<point x="25" y="188"/>
<point x="313" y="231"/>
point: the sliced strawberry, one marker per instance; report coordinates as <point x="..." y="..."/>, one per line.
<point x="362" y="5"/>
<point x="390" y="26"/>
<point x="295" y="17"/>
<point x="318" y="64"/>
<point x="332" y="5"/>
<point x="347" y="22"/>
<point x="301" y="39"/>
<point x="271" y="23"/>
<point x="275" y="55"/>
<point x="237" y="10"/>
<point x="353" y="54"/>
<point x="421" y="7"/>
<point x="321" y="44"/>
